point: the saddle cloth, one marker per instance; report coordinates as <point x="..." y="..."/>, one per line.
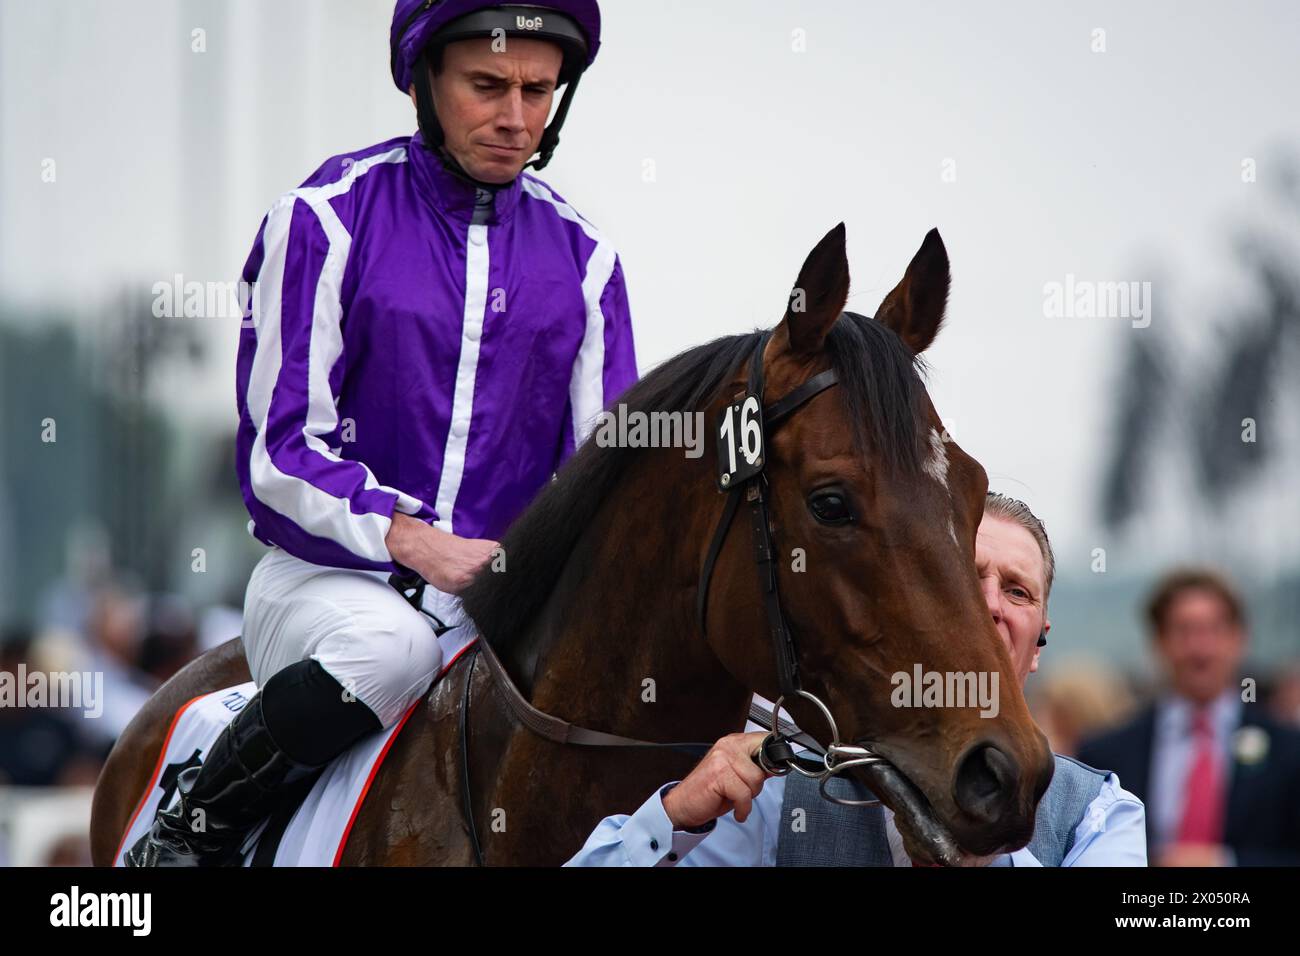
<point x="318" y="830"/>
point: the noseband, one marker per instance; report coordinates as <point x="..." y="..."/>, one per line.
<point x="744" y="426"/>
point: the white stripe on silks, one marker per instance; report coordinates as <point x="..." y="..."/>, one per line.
<point x="322" y="417"/>
<point x="587" y="385"/>
<point x="314" y="510"/>
<point x="462" y="404"/>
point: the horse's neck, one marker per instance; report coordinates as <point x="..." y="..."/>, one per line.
<point x="616" y="649"/>
<point x="617" y="646"/>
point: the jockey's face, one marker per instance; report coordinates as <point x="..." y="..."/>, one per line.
<point x="1014" y="581"/>
<point x="493" y="105"/>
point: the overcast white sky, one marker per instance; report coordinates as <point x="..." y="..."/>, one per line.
<point x="1122" y="165"/>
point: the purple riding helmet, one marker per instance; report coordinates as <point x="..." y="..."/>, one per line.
<point x="422" y="27"/>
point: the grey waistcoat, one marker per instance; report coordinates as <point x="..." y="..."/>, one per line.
<point x="834" y="835"/>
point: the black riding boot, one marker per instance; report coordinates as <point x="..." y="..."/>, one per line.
<point x="297" y="723"/>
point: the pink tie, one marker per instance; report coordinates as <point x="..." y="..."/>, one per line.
<point x="1202" y="820"/>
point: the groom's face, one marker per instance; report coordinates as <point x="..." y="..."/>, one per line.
<point x="1014" y="581"/>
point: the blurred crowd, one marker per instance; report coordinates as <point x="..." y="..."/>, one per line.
<point x="129" y="642"/>
<point x="1211" y="746"/>
<point x="1212" y="750"/>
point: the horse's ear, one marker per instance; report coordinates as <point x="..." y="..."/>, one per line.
<point x="819" y="294"/>
<point x="915" y="308"/>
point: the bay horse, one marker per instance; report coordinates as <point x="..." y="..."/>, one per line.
<point x="874" y="517"/>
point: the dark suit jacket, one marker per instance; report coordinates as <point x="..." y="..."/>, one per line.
<point x="1263" y="813"/>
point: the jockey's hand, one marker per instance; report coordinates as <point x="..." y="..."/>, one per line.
<point x="726" y="779"/>
<point x="446" y="561"/>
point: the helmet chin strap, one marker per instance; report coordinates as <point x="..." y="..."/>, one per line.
<point x="435" y="140"/>
<point x="551" y="135"/>
<point x="431" y="129"/>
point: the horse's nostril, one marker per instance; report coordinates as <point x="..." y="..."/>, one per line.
<point x="985" y="783"/>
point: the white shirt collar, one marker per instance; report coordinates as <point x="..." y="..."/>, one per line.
<point x="1175" y="714"/>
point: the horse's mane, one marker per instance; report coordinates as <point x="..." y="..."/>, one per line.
<point x="879" y="384"/>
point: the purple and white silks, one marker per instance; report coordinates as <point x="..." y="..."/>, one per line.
<point x="401" y="358"/>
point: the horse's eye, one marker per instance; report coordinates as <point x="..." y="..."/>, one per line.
<point x="830" y="507"/>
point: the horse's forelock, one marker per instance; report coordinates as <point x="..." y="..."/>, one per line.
<point x="884" y="400"/>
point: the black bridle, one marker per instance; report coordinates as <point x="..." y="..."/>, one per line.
<point x="777" y="755"/>
<point x="749" y="480"/>
<point x="754" y="490"/>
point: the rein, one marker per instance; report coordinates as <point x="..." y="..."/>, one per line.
<point x="544" y="725"/>
<point x="743" y="430"/>
<point x="746" y="476"/>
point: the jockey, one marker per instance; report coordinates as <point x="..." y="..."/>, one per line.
<point x="433" y="333"/>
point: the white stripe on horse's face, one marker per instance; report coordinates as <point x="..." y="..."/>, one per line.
<point x="936" y="466"/>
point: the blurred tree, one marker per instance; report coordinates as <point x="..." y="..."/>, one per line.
<point x="1259" y="354"/>
<point x="1140" y="408"/>
<point x="1246" y="383"/>
<point x="110" y="464"/>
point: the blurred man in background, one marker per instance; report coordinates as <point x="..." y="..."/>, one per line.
<point x="1220" y="778"/>
<point x="1284" y="701"/>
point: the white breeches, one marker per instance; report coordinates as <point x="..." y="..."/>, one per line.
<point x="354" y="623"/>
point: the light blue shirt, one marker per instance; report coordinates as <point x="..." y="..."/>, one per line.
<point x="1112" y="833"/>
